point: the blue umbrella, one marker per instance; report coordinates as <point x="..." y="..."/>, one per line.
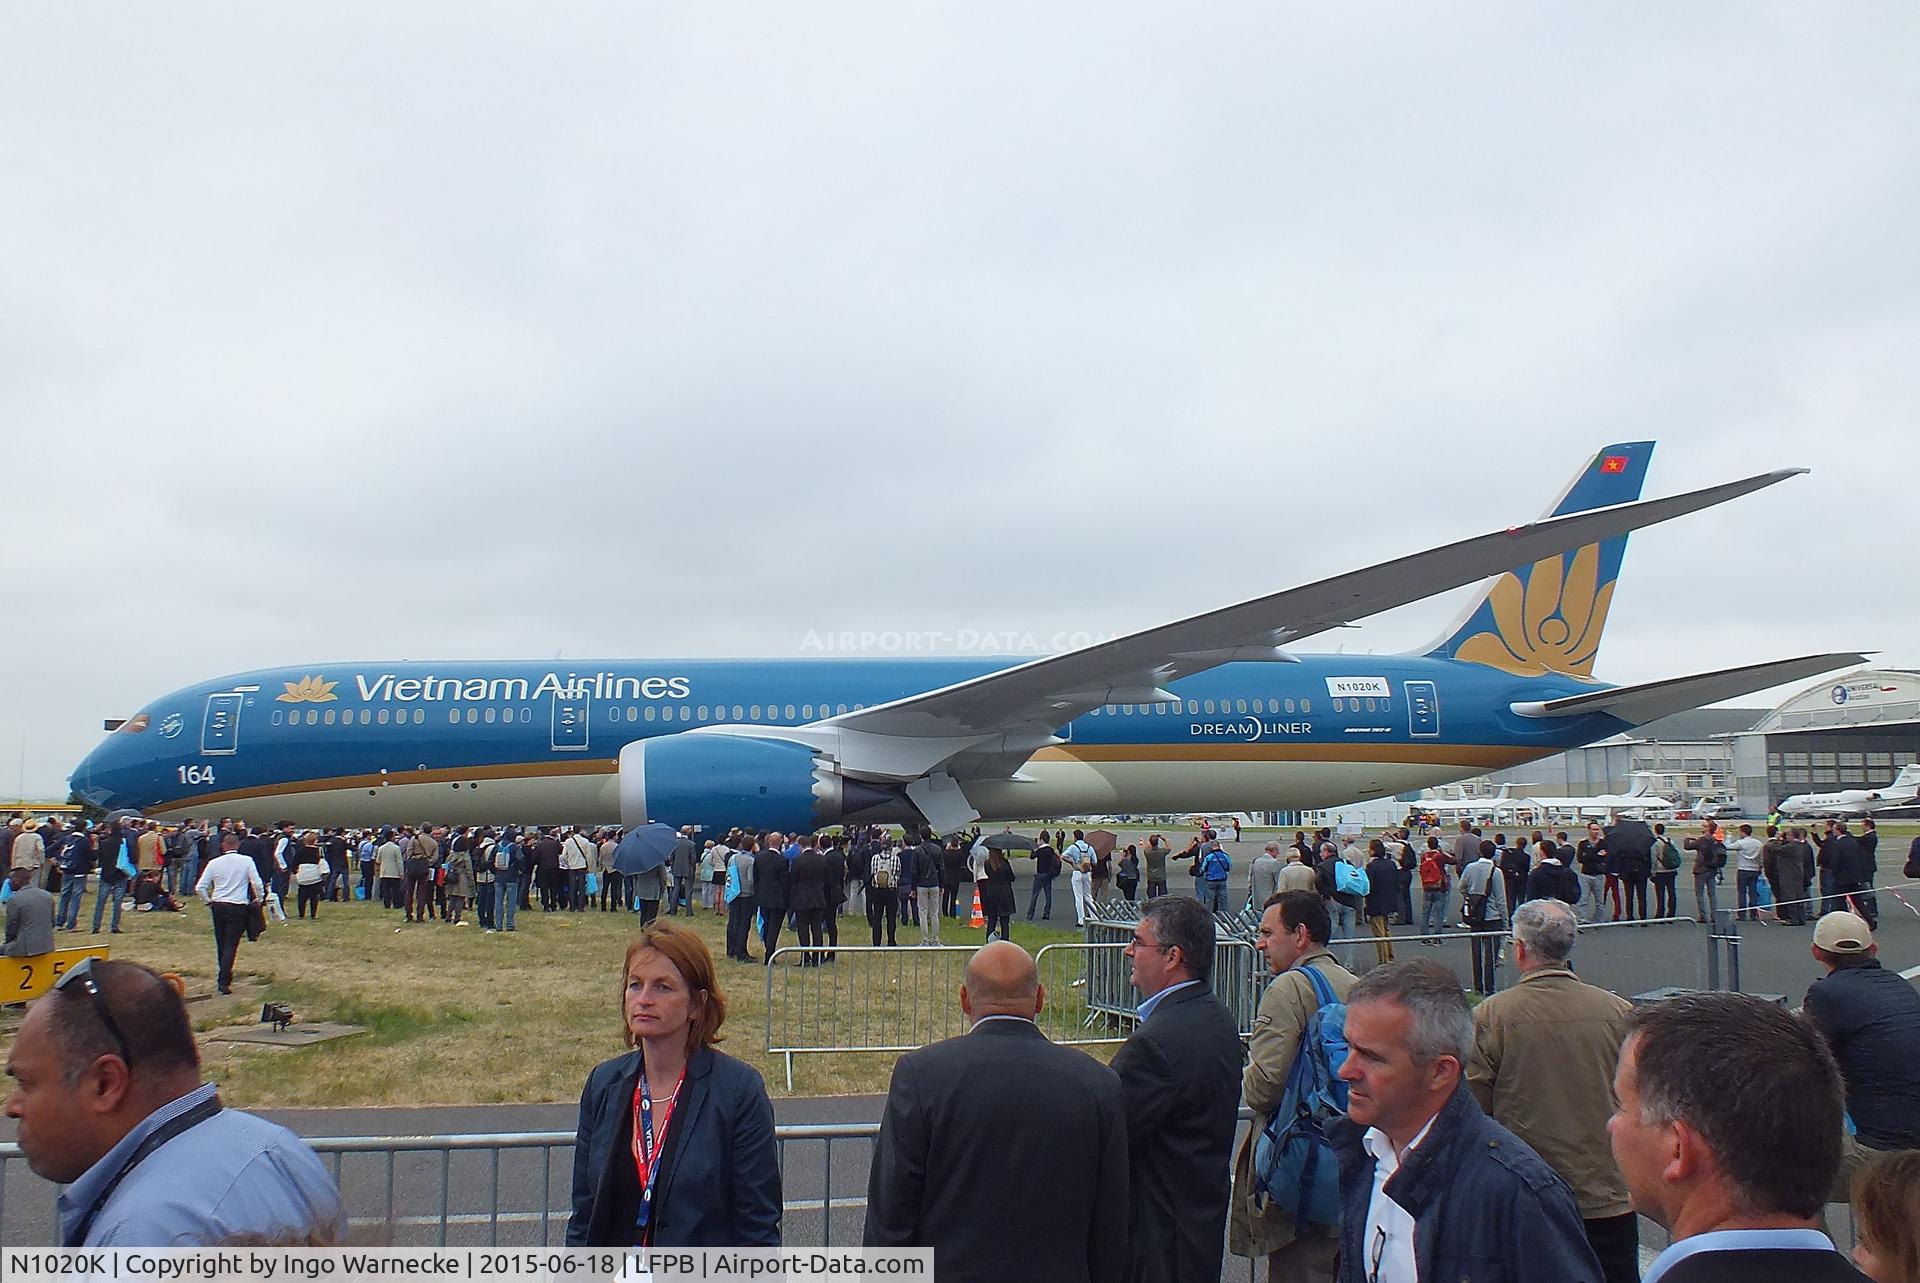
<point x="644" y="848"/>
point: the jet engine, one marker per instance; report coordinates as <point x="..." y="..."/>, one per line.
<point x="719" y="781"/>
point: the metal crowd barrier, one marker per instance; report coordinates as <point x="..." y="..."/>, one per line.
<point x="492" y="1189"/>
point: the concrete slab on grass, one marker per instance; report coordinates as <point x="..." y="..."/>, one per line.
<point x="297" y="1035"/>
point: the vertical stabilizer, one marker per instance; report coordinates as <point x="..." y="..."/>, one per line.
<point x="1548" y="617"/>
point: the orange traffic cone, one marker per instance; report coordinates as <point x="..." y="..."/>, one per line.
<point x="979" y="918"/>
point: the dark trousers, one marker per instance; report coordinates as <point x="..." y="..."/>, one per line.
<point x="811" y="934"/>
<point x="229" y="924"/>
<point x="390" y="893"/>
<point x="1156" y="887"/>
<point x="771" y="920"/>
<point x="1043" y="886"/>
<point x="309" y="901"/>
<point x="613" y="891"/>
<point x="1636" y="895"/>
<point x="1666" y="894"/>
<point x="883" y="902"/>
<point x="1486" y="950"/>
<point x="419" y="897"/>
<point x="1829" y="893"/>
<point x="739" y="923"/>
<point x="1746" y="884"/>
<point x="1859" y="897"/>
<point x="649" y="910"/>
<point x="484" y="905"/>
<point x="1616" y="1241"/>
<point x="830" y="921"/>
<point x="553" y="883"/>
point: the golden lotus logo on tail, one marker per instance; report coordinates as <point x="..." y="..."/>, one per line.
<point x="1548" y="622"/>
<point x="309" y="690"/>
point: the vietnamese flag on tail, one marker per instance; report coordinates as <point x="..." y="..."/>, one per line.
<point x="1614" y="463"/>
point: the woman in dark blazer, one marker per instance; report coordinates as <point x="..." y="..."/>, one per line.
<point x="712" y="1168"/>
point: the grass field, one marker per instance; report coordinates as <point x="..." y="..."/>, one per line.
<point x="456" y="1016"/>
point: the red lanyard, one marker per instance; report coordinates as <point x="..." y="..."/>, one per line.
<point x="646" y="1149"/>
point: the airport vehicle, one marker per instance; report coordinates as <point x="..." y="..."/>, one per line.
<point x="1903" y="792"/>
<point x="1208" y="714"/>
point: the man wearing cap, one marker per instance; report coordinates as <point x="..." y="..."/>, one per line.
<point x="1870" y="1017"/>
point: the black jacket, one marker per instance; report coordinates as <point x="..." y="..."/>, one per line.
<point x="1551" y="880"/>
<point x="1631" y="843"/>
<point x="1484" y="1205"/>
<point x="962" y="1116"/>
<point x="1763" y="1265"/>
<point x="1180" y="1075"/>
<point x="770" y="879"/>
<point x="719" y="1182"/>
<point x="806" y="881"/>
<point x="1870" y="1017"/>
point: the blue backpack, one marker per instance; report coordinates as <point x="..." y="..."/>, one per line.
<point x="1293" y="1162"/>
<point x="1350" y="880"/>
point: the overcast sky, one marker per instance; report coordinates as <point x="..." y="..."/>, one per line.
<point x="359" y="331"/>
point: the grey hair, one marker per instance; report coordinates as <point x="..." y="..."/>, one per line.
<point x="1442" y="1021"/>
<point x="1547" y="928"/>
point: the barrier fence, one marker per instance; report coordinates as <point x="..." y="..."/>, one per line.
<point x="892" y="1000"/>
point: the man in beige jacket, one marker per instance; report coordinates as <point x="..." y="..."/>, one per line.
<point x="1294" y="931"/>
<point x="1544" y="1054"/>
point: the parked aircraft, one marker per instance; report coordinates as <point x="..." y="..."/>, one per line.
<point x="1208" y="714"/>
<point x="1903" y="792"/>
<point x="1636" y="798"/>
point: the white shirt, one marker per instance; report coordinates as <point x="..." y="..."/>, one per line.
<point x="230" y="879"/>
<point x="1386" y="1217"/>
<point x="1746" y="854"/>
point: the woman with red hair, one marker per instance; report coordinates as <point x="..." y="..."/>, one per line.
<point x="676" y="1144"/>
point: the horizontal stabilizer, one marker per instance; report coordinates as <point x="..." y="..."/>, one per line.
<point x="1649" y="701"/>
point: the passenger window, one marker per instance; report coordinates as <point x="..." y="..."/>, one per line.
<point x="488" y="716"/>
<point x="649" y="713"/>
<point x="382" y="718"/>
<point x="753" y="713"/>
<point x="277" y="719"/>
<point x="791" y="715"/>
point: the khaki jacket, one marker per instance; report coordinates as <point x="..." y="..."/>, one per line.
<point x="1294" y="876"/>
<point x="28" y="850"/>
<point x="387" y="861"/>
<point x="1277" y="1027"/>
<point x="149" y="848"/>
<point x="1543" y="1058"/>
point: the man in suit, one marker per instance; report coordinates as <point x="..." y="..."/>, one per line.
<point x="770" y="893"/>
<point x="1180" y="1072"/>
<point x="29" y="917"/>
<point x="972" y="1120"/>
<point x="1728" y="1131"/>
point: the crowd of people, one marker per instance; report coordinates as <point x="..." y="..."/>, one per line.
<point x="1402" y="1132"/>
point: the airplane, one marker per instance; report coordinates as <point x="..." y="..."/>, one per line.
<point x="1903" y="792"/>
<point x="1466" y="806"/>
<point x="1208" y="714"/>
<point x="1636" y="798"/>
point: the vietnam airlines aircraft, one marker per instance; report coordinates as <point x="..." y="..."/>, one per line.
<point x="1206" y="714"/>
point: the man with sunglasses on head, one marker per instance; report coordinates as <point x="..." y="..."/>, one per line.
<point x="109" y="1102"/>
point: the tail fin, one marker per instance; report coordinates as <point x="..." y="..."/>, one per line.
<point x="1548" y="617"/>
<point x="1907" y="778"/>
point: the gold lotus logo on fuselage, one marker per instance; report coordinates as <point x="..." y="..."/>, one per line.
<point x="308" y="690"/>
<point x="1551" y="623"/>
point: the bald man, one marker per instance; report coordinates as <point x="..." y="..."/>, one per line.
<point x="973" y="1121"/>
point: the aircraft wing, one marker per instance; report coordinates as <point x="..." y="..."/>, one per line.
<point x="1649" y="701"/>
<point x="1049" y="692"/>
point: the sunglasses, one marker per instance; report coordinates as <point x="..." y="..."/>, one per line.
<point x="80" y="976"/>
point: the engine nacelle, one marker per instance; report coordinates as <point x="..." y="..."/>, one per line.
<point x="719" y="781"/>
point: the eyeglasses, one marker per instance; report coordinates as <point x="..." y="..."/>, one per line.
<point x="1138" y="943"/>
<point x="80" y="976"/>
<point x="1375" y="1254"/>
